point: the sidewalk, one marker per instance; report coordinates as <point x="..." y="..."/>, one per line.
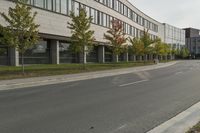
<point x="39" y="81"/>
<point x="181" y="123"/>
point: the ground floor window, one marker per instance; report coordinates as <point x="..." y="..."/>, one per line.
<point x="131" y="57"/>
<point x="38" y="54"/>
<point x="139" y="58"/>
<point x="66" y="56"/>
<point x="121" y="57"/>
<point x="4" y="59"/>
<point x="92" y="56"/>
<point x="108" y="54"/>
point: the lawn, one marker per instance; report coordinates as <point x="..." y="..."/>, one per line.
<point x="10" y="72"/>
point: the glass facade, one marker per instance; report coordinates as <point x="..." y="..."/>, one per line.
<point x="59" y="6"/>
<point x="39" y="3"/>
<point x="118" y="6"/>
<point x="108" y="54"/>
<point x="39" y="54"/>
<point x="65" y="55"/>
<point x="121" y="57"/>
<point x="4" y="60"/>
<point x="92" y="56"/>
<point x="174" y="36"/>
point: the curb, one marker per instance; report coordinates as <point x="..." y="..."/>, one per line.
<point x="180" y="123"/>
<point x="37" y="81"/>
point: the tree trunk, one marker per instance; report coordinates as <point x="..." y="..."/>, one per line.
<point x="84" y="57"/>
<point x="22" y="56"/>
<point x="117" y="58"/>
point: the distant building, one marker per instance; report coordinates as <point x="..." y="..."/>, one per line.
<point x="193" y="41"/>
<point x="174" y="36"/>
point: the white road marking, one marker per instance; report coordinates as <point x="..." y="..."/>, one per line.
<point x="123" y="126"/>
<point x="133" y="83"/>
<point x="177" y="73"/>
<point x="119" y="128"/>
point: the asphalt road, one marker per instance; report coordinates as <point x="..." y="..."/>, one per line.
<point x="130" y="103"/>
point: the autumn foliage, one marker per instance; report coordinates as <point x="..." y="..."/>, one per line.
<point x="116" y="37"/>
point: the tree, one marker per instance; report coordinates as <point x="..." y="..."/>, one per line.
<point x="158" y="48"/>
<point x="116" y="37"/>
<point x="184" y="52"/>
<point x="21" y="32"/>
<point x="166" y="50"/>
<point x="125" y="49"/>
<point x="147" y="41"/>
<point x="137" y="46"/>
<point x="142" y="46"/>
<point x="82" y="37"/>
<point x="161" y="48"/>
<point x="173" y="52"/>
<point x="177" y="53"/>
<point x="4" y="35"/>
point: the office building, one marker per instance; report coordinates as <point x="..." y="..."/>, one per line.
<point x="174" y="36"/>
<point x="53" y="15"/>
<point x="193" y="41"/>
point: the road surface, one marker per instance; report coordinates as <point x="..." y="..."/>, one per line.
<point x="129" y="103"/>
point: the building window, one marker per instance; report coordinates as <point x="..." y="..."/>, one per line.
<point x="108" y="21"/>
<point x="87" y="11"/>
<point x="117" y="6"/>
<point x="104" y="20"/>
<point x="66" y="56"/>
<point x="92" y="14"/>
<point x="100" y="18"/>
<point x="39" y="3"/>
<point x="58" y="4"/>
<point x="49" y="4"/>
<point x="76" y="8"/>
<point x="38" y="54"/>
<point x="63" y="6"/>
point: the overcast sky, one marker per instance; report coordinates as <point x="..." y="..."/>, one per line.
<point x="180" y="13"/>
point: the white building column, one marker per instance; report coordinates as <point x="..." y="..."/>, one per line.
<point x="55" y="55"/>
<point x="101" y="54"/>
<point x="14" y="57"/>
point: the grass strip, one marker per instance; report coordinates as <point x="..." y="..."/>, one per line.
<point x="10" y="72"/>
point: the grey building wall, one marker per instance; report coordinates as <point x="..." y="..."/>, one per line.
<point x="193" y="44"/>
<point x="191" y="32"/>
<point x="193" y="41"/>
